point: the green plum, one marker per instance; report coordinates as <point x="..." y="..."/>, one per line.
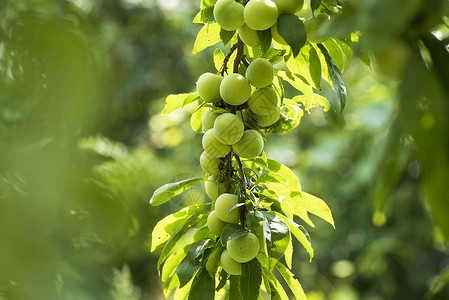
<point x="260" y="73"/>
<point x="229" y="14"/>
<point x="276" y="36"/>
<point x="209" y="119"/>
<point x="248" y="36"/>
<point x="288" y="7"/>
<point x="260" y="14"/>
<point x="214" y="188"/>
<point x="268" y="120"/>
<point x="235" y="89"/>
<point x="222" y="205"/>
<point x="263" y="101"/>
<point x="214" y="224"/>
<point x="208" y="87"/>
<point x="209" y="164"/>
<point x="229" y="264"/>
<point x="250" y="145"/>
<point x="228" y="128"/>
<point x="244" y="248"/>
<point x="313" y="26"/>
<point x="391" y="60"/>
<point x="213" y="147"/>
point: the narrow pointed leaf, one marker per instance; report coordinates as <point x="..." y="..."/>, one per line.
<point x="170" y="190"/>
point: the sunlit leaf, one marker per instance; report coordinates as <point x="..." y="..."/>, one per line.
<point x="170" y="190"/>
<point x="250" y="280"/>
<point x="208" y="35"/>
<point x="292" y="29"/>
<point x="203" y="286"/>
<point x="176" y="101"/>
<point x="316" y="206"/>
<point x="292" y="283"/>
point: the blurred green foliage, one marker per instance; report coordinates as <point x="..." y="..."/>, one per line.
<point x="82" y="148"/>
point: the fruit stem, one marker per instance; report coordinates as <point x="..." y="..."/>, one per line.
<point x="228" y="171"/>
<point x="224" y="67"/>
<point x="240" y="57"/>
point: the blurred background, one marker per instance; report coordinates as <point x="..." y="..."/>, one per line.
<point x="83" y="147"/>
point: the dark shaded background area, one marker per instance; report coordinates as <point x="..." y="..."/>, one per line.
<point x="82" y="148"/>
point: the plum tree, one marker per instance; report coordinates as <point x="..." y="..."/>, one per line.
<point x="213" y="147"/>
<point x="244" y="248"/>
<point x="228" y="14"/>
<point x="249" y="36"/>
<point x="209" y="119"/>
<point x="313" y="26"/>
<point x="222" y="205"/>
<point x="260" y="14"/>
<point x="214" y="224"/>
<point x="231" y="266"/>
<point x="268" y="120"/>
<point x="228" y="128"/>
<point x="208" y="87"/>
<point x="260" y="73"/>
<point x="263" y="101"/>
<point x="209" y="164"/>
<point x="288" y="7"/>
<point x="214" y="188"/>
<point x="250" y="145"/>
<point x="235" y="89"/>
<point x="276" y="36"/>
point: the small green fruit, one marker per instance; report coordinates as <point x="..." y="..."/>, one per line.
<point x="268" y="120"/>
<point x="229" y="14"/>
<point x="250" y="145"/>
<point x="235" y="89"/>
<point x="248" y="36"/>
<point x="228" y="128"/>
<point x="313" y="26"/>
<point x="260" y="73"/>
<point x="213" y="147"/>
<point x="263" y="101"/>
<point x="244" y="248"/>
<point x="214" y="224"/>
<point x="209" y="164"/>
<point x="288" y="7"/>
<point x="209" y="119"/>
<point x="230" y="265"/>
<point x="276" y="36"/>
<point x="222" y="205"/>
<point x="214" y="188"/>
<point x="260" y="14"/>
<point x="208" y="87"/>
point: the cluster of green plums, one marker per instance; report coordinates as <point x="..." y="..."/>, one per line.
<point x="261" y="15"/>
<point x="226" y="131"/>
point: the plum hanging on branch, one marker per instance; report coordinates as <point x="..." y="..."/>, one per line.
<point x="245" y="230"/>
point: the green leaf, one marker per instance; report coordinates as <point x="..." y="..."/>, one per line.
<point x="298" y="232"/>
<point x="213" y="259"/>
<point x="185" y="271"/>
<point x="291" y="115"/>
<point x="226" y="36"/>
<point x="314" y="4"/>
<point x="170" y="190"/>
<point x="169" y="268"/>
<point x="234" y="288"/>
<point x="438" y="283"/>
<point x="281" y="170"/>
<point x="196" y="120"/>
<point x="337" y="78"/>
<point x="317" y="207"/>
<point x="292" y="29"/>
<point x="265" y="39"/>
<point x="168" y="225"/>
<point x="250" y="280"/>
<point x="292" y="283"/>
<point x="176" y="236"/>
<point x="335" y="53"/>
<point x="289" y="255"/>
<point x="173" y="102"/>
<point x="232" y="231"/>
<point x="218" y="59"/>
<point x="313" y="64"/>
<point x="208" y="35"/>
<point x="301" y="84"/>
<point x="203" y="286"/>
<point x="277" y="291"/>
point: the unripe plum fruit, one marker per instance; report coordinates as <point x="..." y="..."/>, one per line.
<point x="209" y="164"/>
<point x="229" y="264"/>
<point x="228" y="128"/>
<point x="235" y="89"/>
<point x="248" y="36"/>
<point x="391" y="60"/>
<point x="260" y="14"/>
<point x="214" y="188"/>
<point x="213" y="147"/>
<point x="276" y="36"/>
<point x="229" y="14"/>
<point x="313" y="26"/>
<point x="208" y="87"/>
<point x="209" y="119"/>
<point x="260" y="73"/>
<point x="288" y="7"/>
<point x="222" y="205"/>
<point x="268" y="120"/>
<point x="244" y="248"/>
<point x="214" y="224"/>
<point x="250" y="145"/>
<point x="263" y="101"/>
